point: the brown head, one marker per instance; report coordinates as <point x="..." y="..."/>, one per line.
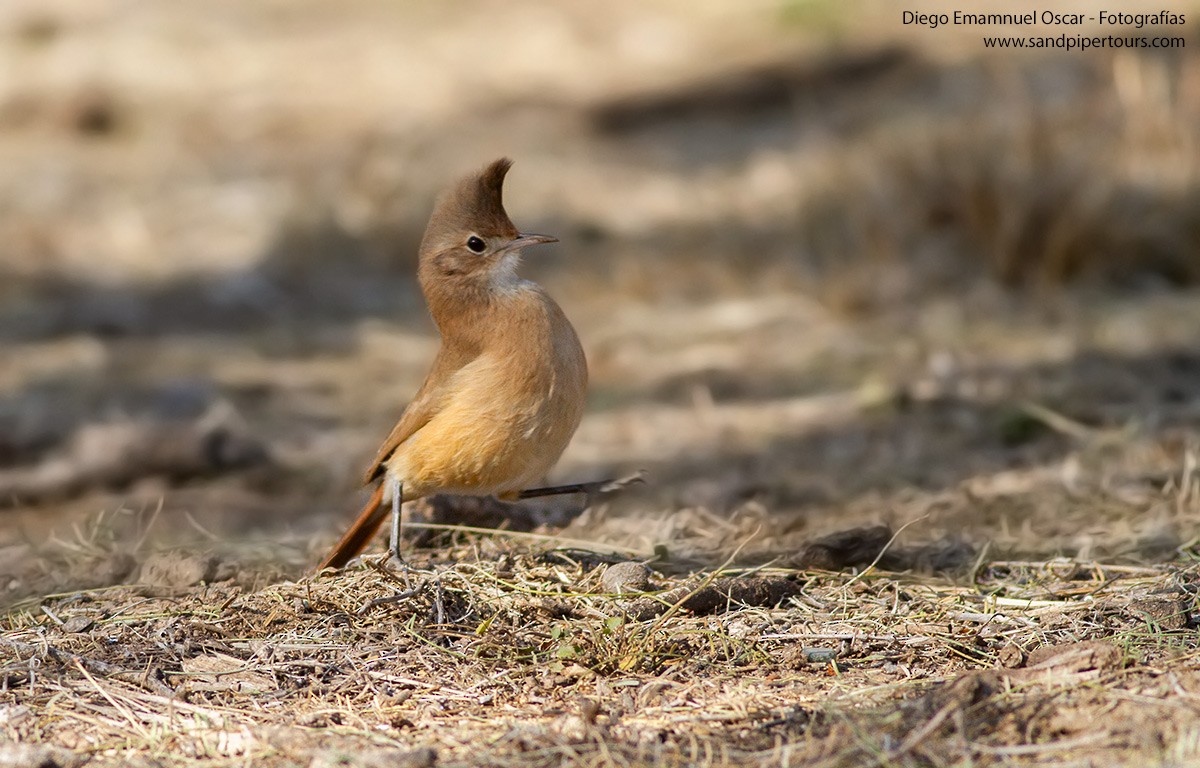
<point x="471" y="248"/>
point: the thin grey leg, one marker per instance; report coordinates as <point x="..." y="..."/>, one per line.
<point x="591" y="489"/>
<point x="397" y="499"/>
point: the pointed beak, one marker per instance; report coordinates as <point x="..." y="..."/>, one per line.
<point x="524" y="239"/>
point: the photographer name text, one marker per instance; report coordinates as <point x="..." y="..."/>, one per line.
<point x="1041" y="18"/>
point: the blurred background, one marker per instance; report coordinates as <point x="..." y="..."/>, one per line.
<point x="829" y="269"/>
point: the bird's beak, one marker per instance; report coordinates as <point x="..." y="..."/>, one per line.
<point x="523" y="239"/>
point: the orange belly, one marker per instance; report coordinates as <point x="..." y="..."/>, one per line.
<point x="486" y="440"/>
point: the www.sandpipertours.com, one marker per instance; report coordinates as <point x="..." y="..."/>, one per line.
<point x="1099" y="29"/>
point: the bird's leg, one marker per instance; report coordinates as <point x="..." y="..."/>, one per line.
<point x="591" y="489"/>
<point x="397" y="499"/>
<point x="397" y="560"/>
<point x="562" y="490"/>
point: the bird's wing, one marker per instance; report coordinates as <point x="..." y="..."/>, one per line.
<point x="424" y="406"/>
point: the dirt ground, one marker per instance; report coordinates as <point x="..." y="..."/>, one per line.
<point x="903" y="333"/>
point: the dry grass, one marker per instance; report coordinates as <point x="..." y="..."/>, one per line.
<point x="504" y="654"/>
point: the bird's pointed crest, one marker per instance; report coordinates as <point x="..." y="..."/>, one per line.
<point x="474" y="205"/>
<point x="488" y="188"/>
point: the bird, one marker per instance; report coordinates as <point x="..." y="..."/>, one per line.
<point x="507" y="387"/>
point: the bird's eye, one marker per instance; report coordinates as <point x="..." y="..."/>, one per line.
<point x="476" y="244"/>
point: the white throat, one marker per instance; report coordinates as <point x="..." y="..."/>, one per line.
<point x="504" y="277"/>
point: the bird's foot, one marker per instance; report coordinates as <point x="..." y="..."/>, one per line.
<point x="396" y="570"/>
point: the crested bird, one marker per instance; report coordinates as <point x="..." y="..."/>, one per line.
<point x="506" y="390"/>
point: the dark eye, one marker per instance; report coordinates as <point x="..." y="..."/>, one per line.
<point x="476" y="244"/>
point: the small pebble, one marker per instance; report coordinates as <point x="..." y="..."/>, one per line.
<point x="177" y="570"/>
<point x="78" y="624"/>
<point x="626" y="577"/>
<point x="819" y="655"/>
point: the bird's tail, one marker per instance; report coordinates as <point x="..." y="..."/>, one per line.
<point x="356" y="538"/>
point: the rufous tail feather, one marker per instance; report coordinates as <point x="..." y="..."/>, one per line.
<point x="356" y="539"/>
